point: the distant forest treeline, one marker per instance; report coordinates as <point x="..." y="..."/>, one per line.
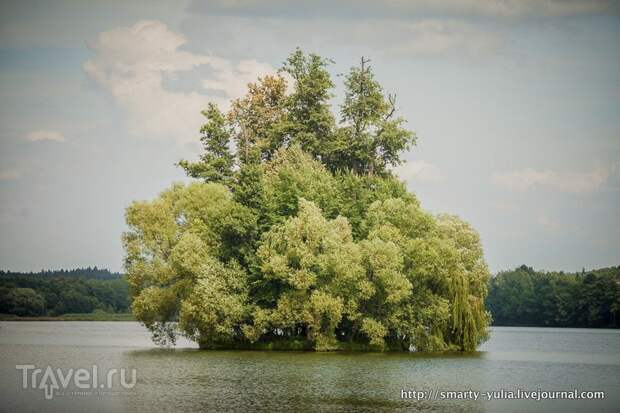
<point x="520" y="297"/>
<point x="85" y="273"/>
<point x="52" y="293"/>
<point x="525" y="297"/>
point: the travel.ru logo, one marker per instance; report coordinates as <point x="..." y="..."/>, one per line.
<point x="52" y="380"/>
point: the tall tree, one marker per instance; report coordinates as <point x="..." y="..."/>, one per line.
<point x="310" y="122"/>
<point x="257" y="120"/>
<point x="216" y="162"/>
<point x="372" y="138"/>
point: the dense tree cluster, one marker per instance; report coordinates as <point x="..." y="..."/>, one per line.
<point x="301" y="237"/>
<point x="524" y="297"/>
<point x="83" y="273"/>
<point x="61" y="292"/>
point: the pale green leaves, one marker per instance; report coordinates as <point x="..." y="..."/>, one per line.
<point x="174" y="246"/>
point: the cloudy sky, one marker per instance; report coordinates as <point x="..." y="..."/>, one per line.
<point x="516" y="104"/>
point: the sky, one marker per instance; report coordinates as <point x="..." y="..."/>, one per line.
<point x="516" y="105"/>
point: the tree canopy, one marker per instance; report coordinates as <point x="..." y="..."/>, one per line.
<point x="297" y="235"/>
<point x="53" y="293"/>
<point x="525" y="297"/>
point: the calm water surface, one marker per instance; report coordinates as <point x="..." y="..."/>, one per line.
<point x="185" y="379"/>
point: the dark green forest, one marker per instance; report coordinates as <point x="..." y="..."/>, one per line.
<point x="519" y="297"/>
<point x="84" y="273"/>
<point x="53" y="293"/>
<point x="525" y="297"/>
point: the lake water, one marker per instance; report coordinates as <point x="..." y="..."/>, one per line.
<point x="186" y="379"/>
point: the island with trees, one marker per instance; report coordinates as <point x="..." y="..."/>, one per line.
<point x="301" y="237"/>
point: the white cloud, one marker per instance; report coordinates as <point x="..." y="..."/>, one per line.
<point x="9" y="175"/>
<point x="419" y="171"/>
<point x="569" y="182"/>
<point x="131" y="63"/>
<point x="44" y="135"/>
<point x="233" y="80"/>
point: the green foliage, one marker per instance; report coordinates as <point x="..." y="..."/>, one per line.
<point x="89" y="273"/>
<point x="524" y="297"/>
<point x="310" y="123"/>
<point x="293" y="174"/>
<point x="216" y="162"/>
<point x="315" y="266"/>
<point x="371" y="139"/>
<point x="375" y="331"/>
<point x="53" y="293"/>
<point x="302" y="238"/>
<point x="23" y="302"/>
<point x="182" y="249"/>
<point x="212" y="312"/>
